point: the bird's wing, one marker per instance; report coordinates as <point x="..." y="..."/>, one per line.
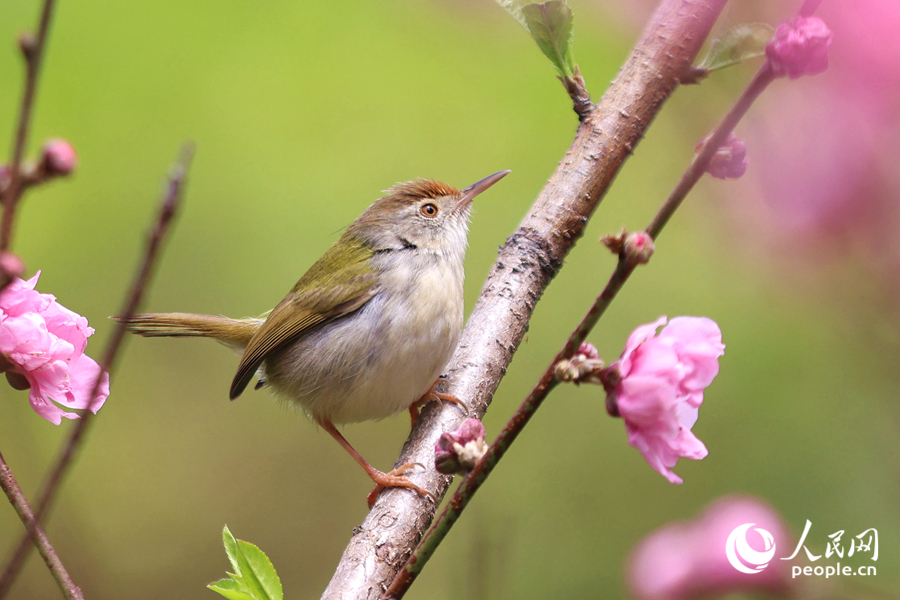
<point x="341" y="282"/>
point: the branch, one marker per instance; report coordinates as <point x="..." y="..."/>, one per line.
<point x="17" y="498"/>
<point x="169" y="207"/>
<point x="33" y="50"/>
<point x="526" y="264"/>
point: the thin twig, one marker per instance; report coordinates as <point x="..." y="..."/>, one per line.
<point x="17" y="498"/>
<point x="547" y="382"/>
<point x="33" y="51"/>
<point x="526" y="264"/>
<point x="168" y="208"/>
<point x="695" y="171"/>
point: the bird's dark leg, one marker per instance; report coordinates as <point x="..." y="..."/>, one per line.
<point x="382" y="480"/>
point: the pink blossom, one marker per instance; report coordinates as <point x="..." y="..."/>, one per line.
<point x="800" y="47"/>
<point x="688" y="559"/>
<point x="44" y="342"/>
<point x="730" y="160"/>
<point x="658" y="388"/>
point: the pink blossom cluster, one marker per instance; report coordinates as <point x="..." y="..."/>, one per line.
<point x="42" y="344"/>
<point x="657" y="388"/>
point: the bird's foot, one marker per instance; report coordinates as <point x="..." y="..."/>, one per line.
<point x="436" y="396"/>
<point x="394" y="479"/>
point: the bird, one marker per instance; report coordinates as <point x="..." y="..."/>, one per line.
<point x="368" y="330"/>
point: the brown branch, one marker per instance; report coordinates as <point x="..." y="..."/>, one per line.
<point x="33" y="50"/>
<point x="17" y="499"/>
<point x="168" y="208"/>
<point x="527" y="263"/>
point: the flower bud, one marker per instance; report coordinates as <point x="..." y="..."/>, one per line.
<point x="581" y="368"/>
<point x="457" y="452"/>
<point x="588" y="350"/>
<point x="58" y="157"/>
<point x="800" y="47"/>
<point x="729" y="161"/>
<point x="638" y="248"/>
<point x="28" y="44"/>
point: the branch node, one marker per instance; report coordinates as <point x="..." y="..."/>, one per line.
<point x="577" y="90"/>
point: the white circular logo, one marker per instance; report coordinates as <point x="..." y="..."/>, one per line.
<point x="740" y="554"/>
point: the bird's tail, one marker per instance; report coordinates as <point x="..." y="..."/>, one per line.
<point x="231" y="332"/>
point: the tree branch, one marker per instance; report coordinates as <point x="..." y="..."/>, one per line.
<point x="526" y="264"/>
<point x="33" y="50"/>
<point x="17" y="499"/>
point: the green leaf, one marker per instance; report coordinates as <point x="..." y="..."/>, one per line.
<point x="231" y="548"/>
<point x="738" y="44"/>
<point x="550" y="25"/>
<point x="254" y="578"/>
<point x="230" y="589"/>
<point x="514" y="7"/>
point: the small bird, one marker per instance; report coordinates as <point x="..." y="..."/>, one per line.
<point x="369" y="328"/>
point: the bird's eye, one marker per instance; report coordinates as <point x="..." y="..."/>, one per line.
<point x="428" y="210"/>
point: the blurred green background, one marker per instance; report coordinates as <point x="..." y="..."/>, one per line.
<point x="301" y="113"/>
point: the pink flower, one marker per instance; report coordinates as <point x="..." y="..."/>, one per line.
<point x="658" y="388"/>
<point x="800" y="47"/>
<point x="42" y="345"/>
<point x="689" y="559"/>
<point x="730" y="160"/>
<point x="458" y="451"/>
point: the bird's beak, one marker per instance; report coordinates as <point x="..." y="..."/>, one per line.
<point x="473" y="190"/>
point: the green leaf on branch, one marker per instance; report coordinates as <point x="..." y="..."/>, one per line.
<point x="738" y="44"/>
<point x="514" y="7"/>
<point x="550" y="25"/>
<point x="254" y="577"/>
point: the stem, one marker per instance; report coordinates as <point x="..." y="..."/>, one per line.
<point x="698" y="166"/>
<point x="547" y="382"/>
<point x="36" y="534"/>
<point x="169" y="207"/>
<point x="33" y="51"/>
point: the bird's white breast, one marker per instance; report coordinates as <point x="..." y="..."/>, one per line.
<point x="380" y="359"/>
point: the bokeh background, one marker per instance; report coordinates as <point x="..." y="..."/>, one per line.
<point x="301" y="113"/>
